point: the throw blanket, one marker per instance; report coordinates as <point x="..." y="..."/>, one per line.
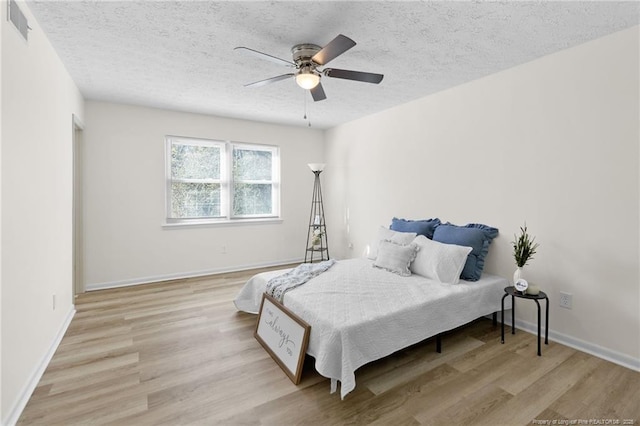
<point x="278" y="286"/>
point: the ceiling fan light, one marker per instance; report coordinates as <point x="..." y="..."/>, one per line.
<point x="307" y="80"/>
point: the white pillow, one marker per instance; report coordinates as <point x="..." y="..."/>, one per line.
<point x="386" y="234"/>
<point x="439" y="261"/>
<point x="395" y="258"/>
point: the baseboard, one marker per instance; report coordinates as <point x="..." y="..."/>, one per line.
<point x="575" y="343"/>
<point x="16" y="410"/>
<point x="182" y="275"/>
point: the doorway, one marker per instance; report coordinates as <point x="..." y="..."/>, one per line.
<point x="77" y="238"/>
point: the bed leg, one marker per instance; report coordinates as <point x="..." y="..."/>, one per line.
<point x="495" y="319"/>
<point x="439" y="343"/>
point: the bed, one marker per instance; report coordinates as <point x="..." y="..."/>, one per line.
<point x="360" y="313"/>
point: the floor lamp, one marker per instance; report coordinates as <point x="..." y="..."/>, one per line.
<point x="317" y="248"/>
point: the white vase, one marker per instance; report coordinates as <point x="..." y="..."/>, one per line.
<point x="517" y="274"/>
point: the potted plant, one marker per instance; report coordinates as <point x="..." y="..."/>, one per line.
<point x="524" y="247"/>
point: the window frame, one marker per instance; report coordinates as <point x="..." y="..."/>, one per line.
<point x="226" y="182"/>
<point x="274" y="182"/>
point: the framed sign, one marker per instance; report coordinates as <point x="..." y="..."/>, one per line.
<point x="284" y="336"/>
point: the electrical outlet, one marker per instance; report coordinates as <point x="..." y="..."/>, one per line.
<point x="566" y="300"/>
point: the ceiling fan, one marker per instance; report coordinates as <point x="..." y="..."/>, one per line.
<point x="307" y="58"/>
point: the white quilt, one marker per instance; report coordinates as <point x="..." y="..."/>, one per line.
<point x="359" y="313"/>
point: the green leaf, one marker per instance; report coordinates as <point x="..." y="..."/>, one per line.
<point x="524" y="247"/>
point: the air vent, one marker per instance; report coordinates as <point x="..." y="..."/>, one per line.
<point x="19" y="20"/>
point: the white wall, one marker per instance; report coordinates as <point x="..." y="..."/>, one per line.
<point x="3" y="6"/>
<point x="124" y="200"/>
<point x="553" y="142"/>
<point x="38" y="100"/>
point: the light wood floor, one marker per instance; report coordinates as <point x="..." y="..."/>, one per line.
<point x="179" y="353"/>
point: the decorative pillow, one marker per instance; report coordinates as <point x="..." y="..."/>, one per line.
<point x="395" y="258"/>
<point x="420" y="227"/>
<point x="385" y="234"/>
<point x="439" y="261"/>
<point x="474" y="235"/>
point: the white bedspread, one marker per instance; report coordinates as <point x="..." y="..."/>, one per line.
<point x="359" y="313"/>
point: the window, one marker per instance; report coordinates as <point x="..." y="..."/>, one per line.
<point x="218" y="181"/>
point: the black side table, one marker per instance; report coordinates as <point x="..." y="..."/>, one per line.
<point x="511" y="291"/>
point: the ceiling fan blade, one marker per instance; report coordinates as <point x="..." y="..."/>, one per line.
<point x="266" y="56"/>
<point x="367" y="77"/>
<point x="335" y="48"/>
<point x="318" y="93"/>
<point x="269" y="80"/>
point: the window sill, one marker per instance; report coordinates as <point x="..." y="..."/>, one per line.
<point x="215" y="223"/>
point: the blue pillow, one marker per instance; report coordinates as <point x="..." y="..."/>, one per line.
<point x="421" y="227"/>
<point x="474" y="235"/>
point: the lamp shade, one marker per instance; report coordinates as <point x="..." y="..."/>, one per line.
<point x="307" y="79"/>
<point x="317" y="167"/>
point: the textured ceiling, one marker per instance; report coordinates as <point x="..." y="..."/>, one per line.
<point x="179" y="55"/>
